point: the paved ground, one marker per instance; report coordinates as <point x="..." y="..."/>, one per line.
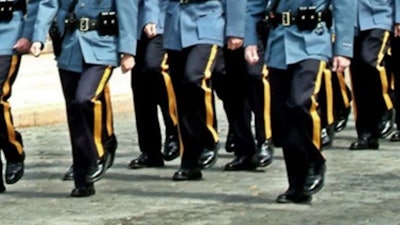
<point x="361" y="187"/>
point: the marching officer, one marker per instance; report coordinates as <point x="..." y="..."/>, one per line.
<point x="152" y="87"/>
<point x="370" y="84"/>
<point x="244" y="90"/>
<point x="193" y="48"/>
<point x="299" y="48"/>
<point x="111" y="142"/>
<point x="15" y="37"/>
<point x="97" y="37"/>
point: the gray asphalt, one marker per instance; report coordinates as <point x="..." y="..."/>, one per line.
<point x="362" y="187"/>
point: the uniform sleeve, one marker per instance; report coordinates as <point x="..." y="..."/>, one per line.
<point x="235" y="18"/>
<point x="344" y="13"/>
<point x="151" y="11"/>
<point x="397" y="12"/>
<point x="127" y="13"/>
<point x="45" y="14"/>
<point x="32" y="10"/>
<point x="255" y="11"/>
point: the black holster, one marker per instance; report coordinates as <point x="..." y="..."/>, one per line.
<point x="107" y="23"/>
<point x="6" y="10"/>
<point x="56" y="38"/>
<point x="263" y="27"/>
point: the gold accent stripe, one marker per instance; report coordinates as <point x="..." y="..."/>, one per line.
<point x="6" y="106"/>
<point x="208" y="93"/>
<point x="170" y="90"/>
<point x="97" y="125"/>
<point x="267" y="103"/>
<point x="109" y="114"/>
<point x="172" y="108"/>
<point x="382" y="72"/>
<point x="316" y="120"/>
<point x="354" y="104"/>
<point x="329" y="95"/>
<point x="343" y="88"/>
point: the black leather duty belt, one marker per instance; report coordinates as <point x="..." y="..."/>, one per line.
<point x="287" y="19"/>
<point x="83" y="24"/>
<point x="86" y="24"/>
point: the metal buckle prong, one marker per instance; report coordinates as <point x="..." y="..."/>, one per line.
<point x="286" y="19"/>
<point x="84" y="24"/>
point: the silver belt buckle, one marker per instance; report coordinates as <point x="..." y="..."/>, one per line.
<point x="184" y="1"/>
<point x="286" y="21"/>
<point x="84" y="24"/>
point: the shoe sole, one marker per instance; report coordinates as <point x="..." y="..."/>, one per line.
<point x="286" y="201"/>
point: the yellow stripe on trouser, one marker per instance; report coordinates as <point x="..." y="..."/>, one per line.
<point x="170" y="90"/>
<point x="382" y="72"/>
<point x="97" y="129"/>
<point x="329" y="95"/>
<point x="6" y="106"/>
<point x="208" y="93"/>
<point x="352" y="94"/>
<point x="108" y="106"/>
<point x="316" y="120"/>
<point x="343" y="88"/>
<point x="173" y="114"/>
<point x="267" y="103"/>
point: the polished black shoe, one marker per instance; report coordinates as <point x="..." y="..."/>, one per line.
<point x="315" y="178"/>
<point x="294" y="196"/>
<point x="97" y="170"/>
<point x="327" y="136"/>
<point x="111" y="146"/>
<point x="365" y="143"/>
<point x="341" y="121"/>
<point x="395" y="137"/>
<point x="208" y="157"/>
<point x="145" y="161"/>
<point x="171" y="148"/>
<point x="386" y="125"/>
<point x="69" y="175"/>
<point x="230" y="144"/>
<point x="83" y="191"/>
<point x="265" y="153"/>
<point x="242" y="163"/>
<point x="187" y="174"/>
<point x="15" y="170"/>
